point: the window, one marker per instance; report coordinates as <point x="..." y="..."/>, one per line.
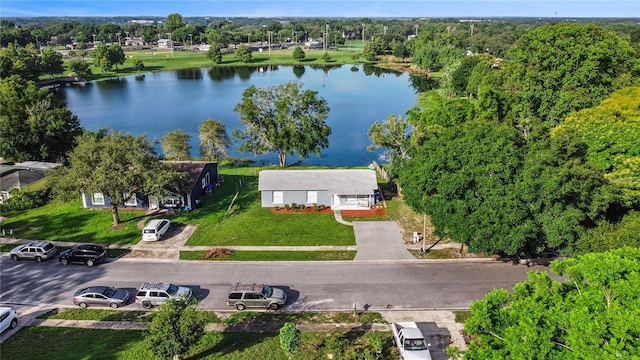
<point x="312" y="197"/>
<point x="235" y="296"/>
<point x="352" y="199"/>
<point x="131" y="201"/>
<point x="278" y="197"/>
<point x="253" y="296"/>
<point x="97" y="199"/>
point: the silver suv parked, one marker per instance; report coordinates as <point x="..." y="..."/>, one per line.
<point x="35" y="250"/>
<point x="244" y="295"/>
<point x="153" y="294"/>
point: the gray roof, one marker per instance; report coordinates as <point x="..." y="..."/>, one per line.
<point x="338" y="181"/>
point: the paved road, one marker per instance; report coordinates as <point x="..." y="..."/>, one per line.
<point x="310" y="285"/>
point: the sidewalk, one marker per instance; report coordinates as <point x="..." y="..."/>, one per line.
<point x="438" y="327"/>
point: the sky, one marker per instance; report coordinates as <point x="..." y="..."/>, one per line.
<point x="325" y="8"/>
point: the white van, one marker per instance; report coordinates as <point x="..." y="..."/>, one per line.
<point x="154" y="229"/>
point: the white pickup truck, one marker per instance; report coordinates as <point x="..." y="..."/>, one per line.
<point x="410" y="341"/>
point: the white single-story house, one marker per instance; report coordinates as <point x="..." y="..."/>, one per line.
<point x="339" y="189"/>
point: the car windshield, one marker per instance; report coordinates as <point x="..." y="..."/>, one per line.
<point x="109" y="292"/>
<point x="172" y="290"/>
<point x="48" y="247"/>
<point x="415" y="344"/>
<point x="267" y="291"/>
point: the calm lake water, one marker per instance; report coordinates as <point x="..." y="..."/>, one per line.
<point x="156" y="103"/>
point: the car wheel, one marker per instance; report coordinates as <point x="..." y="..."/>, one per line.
<point x="83" y="305"/>
<point x="14" y="323"/>
<point x="240" y="307"/>
<point x="90" y="263"/>
<point x="38" y="259"/>
<point x="146" y="305"/>
<point x="15" y="257"/>
<point x="274" y="306"/>
<point x="114" y="305"/>
<point x="64" y="261"/>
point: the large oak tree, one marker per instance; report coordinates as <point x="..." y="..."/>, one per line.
<point x="118" y="165"/>
<point x="557" y="69"/>
<point x="285" y="119"/>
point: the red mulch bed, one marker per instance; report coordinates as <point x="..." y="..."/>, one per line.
<point x="308" y="209"/>
<point x="351" y="213"/>
<point x="380" y="211"/>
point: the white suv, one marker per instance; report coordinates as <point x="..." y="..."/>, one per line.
<point x="154" y="294"/>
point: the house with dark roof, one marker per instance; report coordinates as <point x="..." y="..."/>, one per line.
<point x="19" y="175"/>
<point x="339" y="189"/>
<point x="201" y="177"/>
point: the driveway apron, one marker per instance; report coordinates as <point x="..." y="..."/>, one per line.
<point x="380" y="240"/>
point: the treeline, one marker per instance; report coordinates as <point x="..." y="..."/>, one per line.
<point x="540" y="150"/>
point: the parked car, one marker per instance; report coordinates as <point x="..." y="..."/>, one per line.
<point x="544" y="258"/>
<point x="35" y="250"/>
<point x="155" y="229"/>
<point x="8" y="318"/>
<point x="101" y="296"/>
<point x="83" y="254"/>
<point x="244" y="295"/>
<point x="153" y="294"/>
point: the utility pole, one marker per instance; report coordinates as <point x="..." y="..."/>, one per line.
<point x="416" y="30"/>
<point x="363" y="33"/>
<point x="191" y="40"/>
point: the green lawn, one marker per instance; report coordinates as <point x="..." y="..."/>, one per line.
<point x="274" y="256"/>
<point x="57" y="343"/>
<point x="166" y="60"/>
<point x="222" y="220"/>
<point x="59" y="221"/>
<point x="247" y="223"/>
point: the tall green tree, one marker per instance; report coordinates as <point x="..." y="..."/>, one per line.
<point x="176" y="327"/>
<point x="591" y="314"/>
<point x="117" y="165"/>
<point x="214" y="140"/>
<point x="34" y="123"/>
<point x="174" y="22"/>
<point x="558" y="69"/>
<point x="51" y="62"/>
<point x="285" y="119"/>
<point x="175" y="145"/>
<point x="298" y="54"/>
<point x="21" y="61"/>
<point x="214" y="53"/>
<point x="243" y="52"/>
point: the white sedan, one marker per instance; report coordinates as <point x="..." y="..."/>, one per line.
<point x="8" y="318"/>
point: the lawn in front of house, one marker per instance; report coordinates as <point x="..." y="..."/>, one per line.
<point x="68" y="221"/>
<point x="77" y="343"/>
<point x="241" y="221"/>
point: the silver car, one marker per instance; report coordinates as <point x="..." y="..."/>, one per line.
<point x="8" y="318"/>
<point x="35" y="250"/>
<point x="153" y="294"/>
<point x="244" y="295"/>
<point x="101" y="296"/>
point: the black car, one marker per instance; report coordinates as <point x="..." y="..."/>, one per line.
<point x="83" y="254"/>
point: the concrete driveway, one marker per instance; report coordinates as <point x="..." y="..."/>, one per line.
<point x="380" y="240"/>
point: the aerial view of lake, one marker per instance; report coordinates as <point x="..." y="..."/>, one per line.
<point x="157" y="103"/>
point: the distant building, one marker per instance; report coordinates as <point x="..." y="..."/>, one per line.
<point x="165" y="44"/>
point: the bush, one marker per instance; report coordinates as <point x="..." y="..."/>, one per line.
<point x="289" y="338"/>
<point x="24" y="200"/>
